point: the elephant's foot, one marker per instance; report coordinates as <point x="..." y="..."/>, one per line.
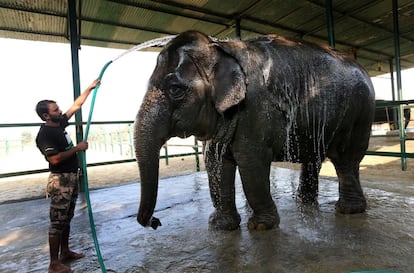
<point x="351" y="206"/>
<point x="264" y="221"/>
<point x="224" y="221"/>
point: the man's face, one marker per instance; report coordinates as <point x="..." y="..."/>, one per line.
<point x="55" y="114"/>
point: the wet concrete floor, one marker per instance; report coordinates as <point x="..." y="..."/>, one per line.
<point x="309" y="239"/>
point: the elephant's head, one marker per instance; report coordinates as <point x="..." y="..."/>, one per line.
<point x="195" y="81"/>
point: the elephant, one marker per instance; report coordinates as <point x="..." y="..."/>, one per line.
<point x="253" y="102"/>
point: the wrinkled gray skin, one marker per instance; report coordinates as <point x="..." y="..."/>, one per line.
<point x="253" y="102"/>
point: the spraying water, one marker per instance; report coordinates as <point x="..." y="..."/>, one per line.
<point x="154" y="42"/>
<point x="157" y="42"/>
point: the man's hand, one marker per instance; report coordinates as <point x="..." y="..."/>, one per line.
<point x="95" y="83"/>
<point x="62" y="156"/>
<point x="81" y="99"/>
<point x="82" y="146"/>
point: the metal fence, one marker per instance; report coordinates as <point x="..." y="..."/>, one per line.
<point x="400" y="133"/>
<point x="109" y="143"/>
<point x="112" y="143"/>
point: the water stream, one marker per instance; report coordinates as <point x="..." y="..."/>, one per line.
<point x="154" y="42"/>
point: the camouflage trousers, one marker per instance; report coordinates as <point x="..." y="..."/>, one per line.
<point x="62" y="188"/>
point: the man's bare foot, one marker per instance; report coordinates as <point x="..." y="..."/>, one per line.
<point x="57" y="267"/>
<point x="70" y="256"/>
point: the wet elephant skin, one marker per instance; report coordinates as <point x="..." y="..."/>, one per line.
<point x="253" y="102"/>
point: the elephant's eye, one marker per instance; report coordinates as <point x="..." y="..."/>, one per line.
<point x="177" y="92"/>
<point x="174" y="88"/>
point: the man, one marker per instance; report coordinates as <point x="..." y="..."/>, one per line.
<point x="59" y="150"/>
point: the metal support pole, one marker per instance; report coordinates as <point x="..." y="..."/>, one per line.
<point x="330" y="22"/>
<point x="74" y="44"/>
<point x="394" y="113"/>
<point x="392" y="79"/>
<point x="399" y="85"/>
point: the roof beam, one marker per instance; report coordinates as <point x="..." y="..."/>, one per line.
<point x="345" y="15"/>
<point x="53" y="34"/>
<point x="226" y="21"/>
<point x="32" y="10"/>
<point x="134" y="27"/>
<point x="169" y="11"/>
<point x="223" y="17"/>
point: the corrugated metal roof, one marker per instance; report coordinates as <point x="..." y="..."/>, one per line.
<point x="364" y="26"/>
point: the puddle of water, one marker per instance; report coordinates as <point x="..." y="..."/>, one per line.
<point x="309" y="238"/>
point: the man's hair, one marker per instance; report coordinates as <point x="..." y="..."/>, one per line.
<point x="42" y="107"/>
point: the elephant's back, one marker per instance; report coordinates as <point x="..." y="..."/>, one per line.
<point x="321" y="92"/>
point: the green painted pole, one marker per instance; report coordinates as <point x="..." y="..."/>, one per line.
<point x="401" y="125"/>
<point x="394" y="113"/>
<point x="74" y="44"/>
<point x="74" y="40"/>
<point x="392" y="79"/>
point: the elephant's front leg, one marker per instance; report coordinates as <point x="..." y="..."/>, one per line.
<point x="256" y="185"/>
<point x="221" y="170"/>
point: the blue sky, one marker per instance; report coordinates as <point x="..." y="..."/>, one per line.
<point x="31" y="71"/>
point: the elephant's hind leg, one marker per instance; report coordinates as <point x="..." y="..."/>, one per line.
<point x="346" y="156"/>
<point x="351" y="197"/>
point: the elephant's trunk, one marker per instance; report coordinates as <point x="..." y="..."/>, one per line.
<point x="150" y="133"/>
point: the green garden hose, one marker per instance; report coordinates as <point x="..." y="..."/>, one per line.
<point x="154" y="42"/>
<point x="85" y="176"/>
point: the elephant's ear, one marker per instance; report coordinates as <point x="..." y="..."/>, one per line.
<point x="229" y="80"/>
